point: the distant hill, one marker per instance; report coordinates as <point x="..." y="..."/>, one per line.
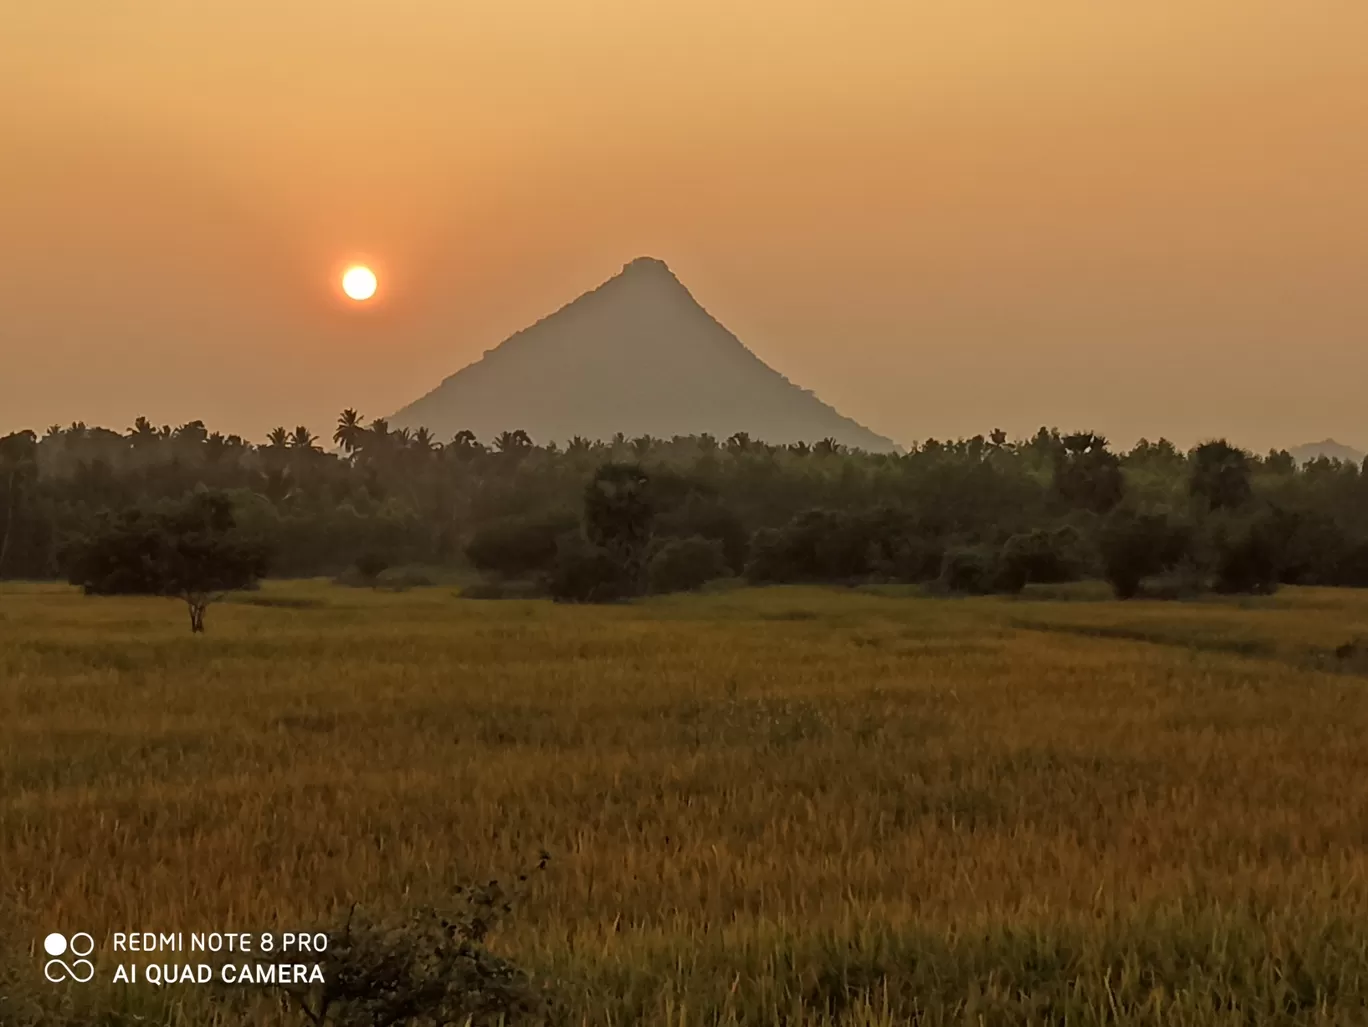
<point x="1329" y="449"/>
<point x="637" y="355"/>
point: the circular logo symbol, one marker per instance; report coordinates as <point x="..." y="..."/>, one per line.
<point x="80" y="970"/>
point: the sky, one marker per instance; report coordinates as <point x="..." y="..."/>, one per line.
<point x="1142" y="219"/>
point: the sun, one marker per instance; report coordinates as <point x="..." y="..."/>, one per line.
<point x="359" y="282"/>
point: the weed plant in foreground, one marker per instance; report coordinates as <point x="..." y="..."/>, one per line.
<point x="787" y="805"/>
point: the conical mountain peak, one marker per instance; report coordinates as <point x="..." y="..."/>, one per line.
<point x="647" y="265"/>
<point x="637" y="355"/>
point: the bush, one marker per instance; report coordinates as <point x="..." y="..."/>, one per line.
<point x="971" y="571"/>
<point x="586" y="573"/>
<point x="520" y="547"/>
<point x="1247" y="555"/>
<point x="709" y="519"/>
<point x="369" y="567"/>
<point x="683" y="564"/>
<point x="913" y="560"/>
<point x="1352" y="567"/>
<point x="836" y="545"/>
<point x="1046" y="557"/>
<point x="432" y="967"/>
<point x="1135" y="546"/>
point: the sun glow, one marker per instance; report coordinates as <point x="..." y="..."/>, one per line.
<point x="359" y="283"/>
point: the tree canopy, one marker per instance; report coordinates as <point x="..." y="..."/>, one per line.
<point x="810" y="511"/>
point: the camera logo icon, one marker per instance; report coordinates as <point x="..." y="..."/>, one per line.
<point x="81" y="970"/>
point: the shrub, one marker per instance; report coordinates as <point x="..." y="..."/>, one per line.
<point x="1046" y="557"/>
<point x="836" y="545"/>
<point x="1352" y="567"/>
<point x="970" y="570"/>
<point x="683" y="564"/>
<point x="431" y="967"/>
<point x="1247" y="555"/>
<point x="707" y="518"/>
<point x="1135" y="546"/>
<point x="369" y="567"/>
<point x="913" y="559"/>
<point x="519" y="547"/>
<point x="586" y="573"/>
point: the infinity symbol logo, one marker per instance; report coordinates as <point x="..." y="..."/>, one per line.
<point x="81" y="970"/>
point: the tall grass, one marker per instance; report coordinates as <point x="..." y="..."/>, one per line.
<point x="763" y="807"/>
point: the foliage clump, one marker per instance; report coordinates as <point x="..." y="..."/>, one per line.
<point x="432" y="968"/>
<point x="1135" y="546"/>
<point x="684" y="564"/>
<point x="192" y="551"/>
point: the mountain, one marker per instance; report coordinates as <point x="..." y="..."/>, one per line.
<point x="1330" y="449"/>
<point x="637" y="355"/>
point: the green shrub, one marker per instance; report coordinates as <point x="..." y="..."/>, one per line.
<point x="586" y="573"/>
<point x="518" y="548"/>
<point x="683" y="564"/>
<point x="370" y="565"/>
<point x="1135" y="546"/>
<point x="970" y="570"/>
<point x="1047" y="557"/>
<point x="707" y="518"/>
<point x="843" y="546"/>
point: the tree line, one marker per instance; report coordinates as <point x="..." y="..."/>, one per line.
<point x="596" y="519"/>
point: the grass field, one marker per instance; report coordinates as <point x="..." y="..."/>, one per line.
<point x="762" y="807"/>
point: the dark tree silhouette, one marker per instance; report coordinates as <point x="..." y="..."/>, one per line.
<point x="1221" y="475"/>
<point x="193" y="552"/>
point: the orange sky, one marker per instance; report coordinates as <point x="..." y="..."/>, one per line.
<point x="943" y="217"/>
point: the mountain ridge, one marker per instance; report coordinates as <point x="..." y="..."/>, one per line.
<point x="637" y="354"/>
<point x="1326" y="448"/>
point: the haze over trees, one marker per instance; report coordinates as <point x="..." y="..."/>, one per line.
<point x="594" y="520"/>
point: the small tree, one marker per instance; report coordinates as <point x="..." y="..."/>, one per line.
<point x="370" y="565"/>
<point x="619" y="517"/>
<point x="194" y="553"/>
<point x="1220" y="475"/>
<point x="1136" y="546"/>
<point x="1248" y="553"/>
<point x="1087" y="475"/>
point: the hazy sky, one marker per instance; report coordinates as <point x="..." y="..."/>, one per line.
<point x="942" y="215"/>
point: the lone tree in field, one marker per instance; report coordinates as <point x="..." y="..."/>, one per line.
<point x="195" y="553"/>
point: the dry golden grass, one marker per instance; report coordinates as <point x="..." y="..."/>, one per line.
<point x="774" y="806"/>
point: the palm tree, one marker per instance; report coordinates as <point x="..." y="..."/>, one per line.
<point x="215" y="446"/>
<point x="513" y="443"/>
<point x="739" y="442"/>
<point x="464" y="445"/>
<point x="192" y="433"/>
<point x="302" y="438"/>
<point x="349" y="433"/>
<point x="279" y="438"/>
<point x="422" y="441"/>
<point x="142" y="433"/>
